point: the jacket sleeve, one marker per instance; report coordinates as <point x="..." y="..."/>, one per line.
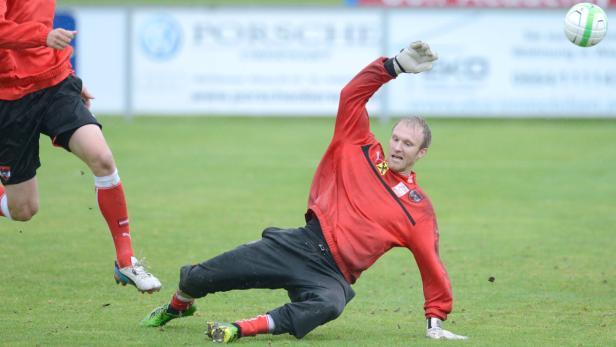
<point x="436" y="285"/>
<point x="21" y="35"/>
<point x="352" y="124"/>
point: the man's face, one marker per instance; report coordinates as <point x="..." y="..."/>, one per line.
<point x="404" y="148"/>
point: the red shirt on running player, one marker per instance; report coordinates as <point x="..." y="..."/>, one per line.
<point x="364" y="208"/>
<point x="26" y="63"/>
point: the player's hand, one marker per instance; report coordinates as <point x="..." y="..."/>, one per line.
<point x="60" y="38"/>
<point x="434" y="330"/>
<point x="86" y="96"/>
<point x="415" y="58"/>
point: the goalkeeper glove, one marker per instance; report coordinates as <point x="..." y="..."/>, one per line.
<point x="415" y="58"/>
<point x="434" y="330"/>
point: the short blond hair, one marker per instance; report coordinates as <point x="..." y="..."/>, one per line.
<point x="416" y="121"/>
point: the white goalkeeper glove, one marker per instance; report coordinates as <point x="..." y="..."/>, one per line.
<point x="415" y="58"/>
<point x="434" y="330"/>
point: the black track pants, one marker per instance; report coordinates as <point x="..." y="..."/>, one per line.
<point x="297" y="260"/>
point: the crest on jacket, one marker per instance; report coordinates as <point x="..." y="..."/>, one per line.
<point x="416" y="197"/>
<point x="382" y="167"/>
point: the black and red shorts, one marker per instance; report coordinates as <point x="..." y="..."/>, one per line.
<point x="56" y="111"/>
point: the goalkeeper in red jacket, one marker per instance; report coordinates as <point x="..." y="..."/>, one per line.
<point x="363" y="202"/>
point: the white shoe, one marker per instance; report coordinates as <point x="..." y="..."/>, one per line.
<point x="434" y="330"/>
<point x="137" y="276"/>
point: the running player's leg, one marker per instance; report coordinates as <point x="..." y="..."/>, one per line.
<point x="71" y="126"/>
<point x="19" y="201"/>
<point x="20" y="122"/>
<point x="88" y="143"/>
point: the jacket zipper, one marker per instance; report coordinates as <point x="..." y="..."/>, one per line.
<point x="365" y="149"/>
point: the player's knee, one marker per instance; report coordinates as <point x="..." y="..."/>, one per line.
<point x="334" y="310"/>
<point x="331" y="308"/>
<point x="102" y="163"/>
<point x="191" y="280"/>
<point x="24" y="212"/>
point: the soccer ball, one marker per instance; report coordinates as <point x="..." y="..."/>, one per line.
<point x="585" y="24"/>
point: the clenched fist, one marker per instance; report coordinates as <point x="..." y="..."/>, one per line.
<point x="60" y="38"/>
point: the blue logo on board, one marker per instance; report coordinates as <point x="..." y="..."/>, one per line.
<point x="160" y="37"/>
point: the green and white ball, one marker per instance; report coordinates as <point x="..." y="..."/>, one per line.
<point x="585" y="24"/>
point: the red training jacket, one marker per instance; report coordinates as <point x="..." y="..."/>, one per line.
<point x="26" y="63"/>
<point x="364" y="208"/>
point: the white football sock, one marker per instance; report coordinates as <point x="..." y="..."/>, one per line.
<point x="270" y="323"/>
<point x="107" y="181"/>
<point x="183" y="297"/>
<point x="4" y="206"/>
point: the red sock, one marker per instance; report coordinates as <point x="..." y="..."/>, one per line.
<point x="112" y="203"/>
<point x="254" y="326"/>
<point x="1" y="194"/>
<point x="178" y="304"/>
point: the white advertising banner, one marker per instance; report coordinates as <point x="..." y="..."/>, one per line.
<point x="237" y="61"/>
<point x="101" y="56"/>
<point x="503" y="63"/>
<point x="479" y="3"/>
<point x="294" y="61"/>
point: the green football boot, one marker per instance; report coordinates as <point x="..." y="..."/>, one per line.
<point x="222" y="332"/>
<point x="160" y="316"/>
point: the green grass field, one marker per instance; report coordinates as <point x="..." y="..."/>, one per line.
<point x="531" y="203"/>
